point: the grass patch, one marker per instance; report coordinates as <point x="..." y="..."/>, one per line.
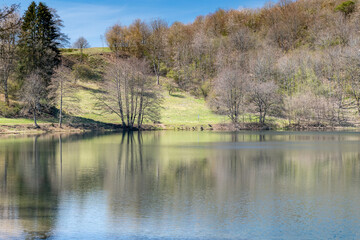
<point x="21" y="121"/>
<point x="89" y="51"/>
<point x="179" y="109"/>
<point x="87" y="93"/>
<point x="183" y="109"/>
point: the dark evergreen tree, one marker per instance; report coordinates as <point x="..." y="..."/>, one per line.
<point x="39" y="42"/>
<point x="27" y="42"/>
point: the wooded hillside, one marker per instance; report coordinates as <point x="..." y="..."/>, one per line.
<point x="296" y="60"/>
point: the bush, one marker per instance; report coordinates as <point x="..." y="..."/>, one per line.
<point x="173" y="75"/>
<point x="163" y="69"/>
<point x="11" y="111"/>
<point x="346" y="8"/>
<point x="68" y="50"/>
<point x="205" y="89"/>
<point x="171" y="87"/>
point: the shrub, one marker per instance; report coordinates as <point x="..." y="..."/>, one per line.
<point x="9" y="111"/>
<point x="68" y="50"/>
<point x="205" y="89"/>
<point x="346" y="8"/>
<point x="171" y="87"/>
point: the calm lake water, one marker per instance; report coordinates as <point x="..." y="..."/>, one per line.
<point x="181" y="185"/>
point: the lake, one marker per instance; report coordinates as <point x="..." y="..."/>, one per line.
<point x="181" y="185"/>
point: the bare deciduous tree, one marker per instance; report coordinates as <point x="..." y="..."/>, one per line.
<point x="130" y="92"/>
<point x="157" y="45"/>
<point x="203" y="57"/>
<point x="33" y="92"/>
<point x="231" y="89"/>
<point x="81" y="43"/>
<point x="9" y="30"/>
<point x="242" y="40"/>
<point x="353" y="75"/>
<point x="264" y="96"/>
<point x="62" y="90"/>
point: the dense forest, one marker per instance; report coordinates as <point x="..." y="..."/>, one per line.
<point x="295" y="60"/>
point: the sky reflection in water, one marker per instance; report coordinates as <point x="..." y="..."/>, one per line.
<point x="181" y="185"/>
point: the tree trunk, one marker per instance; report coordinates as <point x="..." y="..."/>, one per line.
<point x="141" y="109"/>
<point x="60" y="117"/>
<point x="61" y="103"/>
<point x="5" y="76"/>
<point x="119" y="101"/>
<point x="35" y="123"/>
<point x="290" y="110"/>
<point x="264" y="115"/>
<point x="81" y="55"/>
<point x="157" y="72"/>
<point x="127" y="102"/>
<point x="7" y="102"/>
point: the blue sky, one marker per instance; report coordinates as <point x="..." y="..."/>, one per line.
<point x="91" y="18"/>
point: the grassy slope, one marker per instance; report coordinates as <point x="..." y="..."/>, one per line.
<point x="16" y="121"/>
<point x="87" y="93"/>
<point x="178" y="109"/>
<point x="184" y="109"/>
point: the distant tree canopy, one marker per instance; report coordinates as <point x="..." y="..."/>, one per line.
<point x="346" y="7"/>
<point x="5" y="13"/>
<point x="116" y="38"/>
<point x="131" y="40"/>
<point x="81" y="43"/>
<point x="296" y="60"/>
<point x="273" y="60"/>
<point x="39" y="42"/>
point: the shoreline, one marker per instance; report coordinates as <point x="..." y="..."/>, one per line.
<point x="45" y="128"/>
<point x="49" y="128"/>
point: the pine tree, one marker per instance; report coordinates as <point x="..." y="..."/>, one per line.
<point x="39" y="43"/>
<point x="27" y="42"/>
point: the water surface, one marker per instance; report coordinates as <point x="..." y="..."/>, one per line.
<point x="181" y="185"/>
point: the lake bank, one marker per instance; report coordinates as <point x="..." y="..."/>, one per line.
<point x="54" y="128"/>
<point x="180" y="111"/>
<point x="51" y="127"/>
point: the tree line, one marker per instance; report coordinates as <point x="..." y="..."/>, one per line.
<point x="296" y="60"/>
<point x="41" y="82"/>
<point x="29" y="53"/>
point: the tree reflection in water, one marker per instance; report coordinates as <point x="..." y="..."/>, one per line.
<point x="178" y="184"/>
